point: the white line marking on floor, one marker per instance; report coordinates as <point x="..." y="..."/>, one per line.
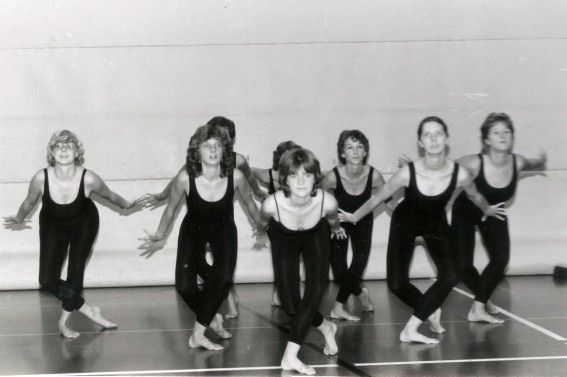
<point x="177" y="371"/>
<point x="519" y="319"/>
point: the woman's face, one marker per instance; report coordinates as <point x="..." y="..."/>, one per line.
<point x="64" y="153"/>
<point x="211" y="152"/>
<point x="433" y="138"/>
<point x="301" y="183"/>
<point x="353" y="151"/>
<point x="500" y="137"/>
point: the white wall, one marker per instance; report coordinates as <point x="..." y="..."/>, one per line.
<point x="135" y="78"/>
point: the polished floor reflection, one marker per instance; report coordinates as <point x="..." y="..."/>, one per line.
<point x="154" y="326"/>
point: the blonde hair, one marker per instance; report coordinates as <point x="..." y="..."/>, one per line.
<point x="65" y="136"/>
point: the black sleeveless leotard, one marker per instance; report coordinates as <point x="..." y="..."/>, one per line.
<point x="360" y="237"/>
<point x="212" y="223"/>
<point x="494" y="233"/>
<point x="313" y="244"/>
<point x="421" y="215"/>
<point x="63" y="227"/>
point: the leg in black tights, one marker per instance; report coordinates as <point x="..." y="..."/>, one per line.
<point x="496" y="239"/>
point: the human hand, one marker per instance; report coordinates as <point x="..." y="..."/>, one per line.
<point x="497" y="211"/>
<point x="13" y="223"/>
<point x="403" y="160"/>
<point x="150" y="200"/>
<point x="346" y="217"/>
<point x="149" y="244"/>
<point x="339" y="233"/>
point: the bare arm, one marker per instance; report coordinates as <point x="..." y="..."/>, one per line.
<point x="99" y="187"/>
<point x="243" y="166"/>
<point x="398" y="180"/>
<point x="497" y="210"/>
<point x="267" y="211"/>
<point x="329" y="182"/>
<point x="249" y="203"/>
<point x="34" y="193"/>
<point x="532" y="163"/>
<point x="332" y="216"/>
<point x="154" y="199"/>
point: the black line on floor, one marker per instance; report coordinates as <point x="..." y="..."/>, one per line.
<point x="350" y="366"/>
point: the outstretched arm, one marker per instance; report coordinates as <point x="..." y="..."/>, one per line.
<point x="154" y="199"/>
<point x="242" y="165"/>
<point x="249" y="203"/>
<point x="99" y="187"/>
<point x="398" y="180"/>
<point x="34" y="193"/>
<point x="180" y="182"/>
<point x="533" y="163"/>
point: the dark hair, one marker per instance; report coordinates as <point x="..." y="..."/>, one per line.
<point x="491" y="121"/>
<point x="201" y="135"/>
<point x="282" y="147"/>
<point x="65" y="136"/>
<point x="226" y="124"/>
<point x="290" y="163"/>
<point x="355" y="135"/>
<point x="431" y="119"/>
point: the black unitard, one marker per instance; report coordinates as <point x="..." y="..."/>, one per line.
<point x="287" y="246"/>
<point x="212" y="223"/>
<point x="66" y="227"/>
<point x="494" y="233"/>
<point x="421" y="215"/>
<point x="361" y="240"/>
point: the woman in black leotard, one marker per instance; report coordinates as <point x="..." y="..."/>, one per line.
<point x="241" y="163"/>
<point x="429" y="183"/>
<point x="269" y="179"/>
<point x="297" y="228"/>
<point x="496" y="175"/>
<point x="68" y="224"/>
<point x="209" y="185"/>
<point x="352" y="183"/>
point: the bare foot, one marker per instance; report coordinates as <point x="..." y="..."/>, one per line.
<point x="491" y="308"/>
<point x="408" y="336"/>
<point x="435" y="322"/>
<point x="199" y="340"/>
<point x="364" y="299"/>
<point x="93" y="313"/>
<point x="329" y="329"/>
<point x="293" y="363"/>
<point x="339" y="312"/>
<point x="216" y="326"/>
<point x="480" y="315"/>
<point x="232" y="306"/>
<point x="67" y="332"/>
<point x="276" y="299"/>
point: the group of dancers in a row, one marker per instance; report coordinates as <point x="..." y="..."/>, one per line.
<point x="305" y="214"/>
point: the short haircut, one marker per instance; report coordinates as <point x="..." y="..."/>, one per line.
<point x="201" y="135"/>
<point x="65" y="136"/>
<point x="355" y="135"/>
<point x="282" y="147"/>
<point x="290" y="163"/>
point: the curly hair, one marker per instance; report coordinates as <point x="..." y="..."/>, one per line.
<point x="201" y="135"/>
<point x="65" y="136"/>
<point x="355" y="135"/>
<point x="282" y="147"/>
<point x="226" y="124"/>
<point x="294" y="159"/>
